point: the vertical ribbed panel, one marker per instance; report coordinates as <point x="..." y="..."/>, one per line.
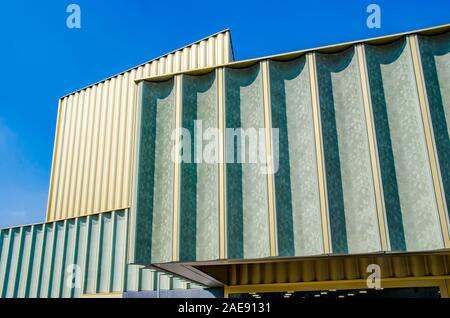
<point x="350" y="187"/>
<point x="81" y="253"/>
<point x="36" y="264"/>
<point x="246" y="179"/>
<point x="58" y="261"/>
<point x="410" y="200"/>
<point x="299" y="226"/>
<point x="93" y="254"/>
<point x="70" y="256"/>
<point x="154" y="212"/>
<point x="199" y="171"/>
<point x="25" y="262"/>
<point x="119" y="259"/>
<point x="353" y="152"/>
<point x="94" y="142"/>
<point x="35" y="260"/>
<point x="46" y="268"/>
<point x="435" y="56"/>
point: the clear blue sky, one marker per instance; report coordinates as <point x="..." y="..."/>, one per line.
<point x="41" y="59"/>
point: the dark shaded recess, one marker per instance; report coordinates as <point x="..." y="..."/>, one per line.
<point x="407" y="292"/>
<point x="430" y="47"/>
<point x="151" y="92"/>
<point x="326" y="65"/>
<point x="376" y="56"/>
<point x="192" y="85"/>
<point x="234" y="80"/>
<point x="279" y="73"/>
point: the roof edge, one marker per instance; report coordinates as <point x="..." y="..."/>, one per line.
<point x="153" y="59"/>
<point x="435" y="30"/>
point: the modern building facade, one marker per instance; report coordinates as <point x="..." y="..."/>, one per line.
<point x="351" y="177"/>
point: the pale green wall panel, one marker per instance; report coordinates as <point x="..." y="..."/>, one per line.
<point x="36" y="261"/>
<point x="69" y="259"/>
<point x="4" y="240"/>
<point x="199" y="230"/>
<point x="435" y="56"/>
<point x="154" y="212"/>
<point x="93" y="254"/>
<point x="351" y="198"/>
<point x="148" y="279"/>
<point x="37" y="256"/>
<point x="81" y="253"/>
<point x="46" y="268"/>
<point x="299" y="224"/>
<point x="132" y="278"/>
<point x="246" y="189"/>
<point x="58" y="261"/>
<point x="120" y="243"/>
<point x="25" y="261"/>
<point x="403" y="153"/>
<point x="16" y="241"/>
<point x="106" y="254"/>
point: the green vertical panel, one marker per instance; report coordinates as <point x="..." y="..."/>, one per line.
<point x="147" y="279"/>
<point x="164" y="281"/>
<point x="81" y="254"/>
<point x="351" y="197"/>
<point x="106" y="250"/>
<point x="177" y="283"/>
<point x="46" y="269"/>
<point x="25" y="261"/>
<point x="246" y="188"/>
<point x="37" y="258"/>
<point x="132" y="278"/>
<point x="407" y="183"/>
<point x="70" y="245"/>
<point x="299" y="224"/>
<point x="4" y="260"/>
<point x="1" y="243"/>
<point x="58" y="260"/>
<point x="119" y="252"/>
<point x="435" y="56"/>
<point x="155" y="181"/>
<point x="199" y="239"/>
<point x="14" y="263"/>
<point x="93" y="255"/>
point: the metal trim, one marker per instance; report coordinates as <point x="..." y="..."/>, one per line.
<point x="271" y="197"/>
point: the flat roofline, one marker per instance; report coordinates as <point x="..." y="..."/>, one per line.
<point x="293" y="54"/>
<point x="12" y="227"/>
<point x="151" y="60"/>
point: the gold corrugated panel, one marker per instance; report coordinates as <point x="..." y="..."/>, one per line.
<point x="94" y="139"/>
<point x="330" y="268"/>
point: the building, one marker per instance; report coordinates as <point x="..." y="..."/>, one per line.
<point x="352" y="145"/>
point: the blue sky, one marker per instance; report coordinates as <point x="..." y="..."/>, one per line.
<point x="41" y="59"/>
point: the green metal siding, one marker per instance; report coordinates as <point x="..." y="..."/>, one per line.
<point x="380" y="191"/>
<point x="35" y="259"/>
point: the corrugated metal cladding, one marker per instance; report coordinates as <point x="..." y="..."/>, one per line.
<point x="43" y="260"/>
<point x="95" y="134"/>
<point x="330" y="269"/>
<point x="363" y="135"/>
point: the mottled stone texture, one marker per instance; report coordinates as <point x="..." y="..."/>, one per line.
<point x="407" y="184"/>
<point x="351" y="198"/>
<point x="199" y="224"/>
<point x="246" y="188"/>
<point x="299" y="226"/>
<point x="435" y="55"/>
<point x="155" y="180"/>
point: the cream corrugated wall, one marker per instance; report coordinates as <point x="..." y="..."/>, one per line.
<point x="94" y="139"/>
